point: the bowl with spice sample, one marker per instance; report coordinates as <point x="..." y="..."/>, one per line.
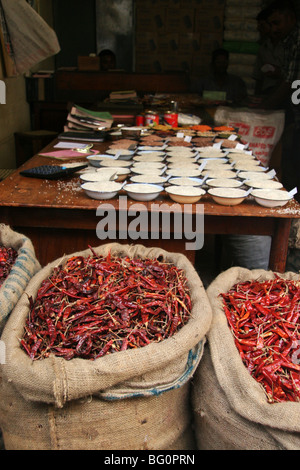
<point x="185" y="194"/>
<point x="101" y="189"/>
<point x="228" y="196"/>
<point x="271" y="197"/>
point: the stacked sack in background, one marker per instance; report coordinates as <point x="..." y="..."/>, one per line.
<point x="241" y="38"/>
<point x="134" y="398"/>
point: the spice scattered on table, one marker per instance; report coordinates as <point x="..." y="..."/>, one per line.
<point x="96" y="305"/>
<point x="264" y="319"/>
<point x="8" y="258"/>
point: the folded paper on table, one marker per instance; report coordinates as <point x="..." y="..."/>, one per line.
<point x="69" y="145"/>
<point x="66" y="154"/>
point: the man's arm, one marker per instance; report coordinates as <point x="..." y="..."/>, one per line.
<point x="278" y="97"/>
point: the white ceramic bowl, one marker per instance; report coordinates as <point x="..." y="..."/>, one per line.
<point x="240" y="157"/>
<point x="151" y="148"/>
<point x="185" y="194"/>
<point x="147" y="171"/>
<point x="123" y="154"/>
<point x="143" y="165"/>
<point x="121" y="173"/>
<point x="96" y="160"/>
<point x="224" y="183"/>
<point x="185" y="181"/>
<point x="254" y="165"/>
<point x="212" y="154"/>
<point x="143" y="191"/>
<point x="216" y="164"/>
<point x="216" y="173"/>
<point x="183" y="172"/>
<point x="179" y="149"/>
<point x="181" y="153"/>
<point x="150" y="154"/>
<point x="102" y="189"/>
<point x="271" y="197"/>
<point x="94" y="176"/>
<point x="112" y="163"/>
<point x="149" y="178"/>
<point x="181" y="158"/>
<point x="186" y="166"/>
<point x="249" y="175"/>
<point x="263" y="184"/>
<point x="227" y="196"/>
<point x="151" y="157"/>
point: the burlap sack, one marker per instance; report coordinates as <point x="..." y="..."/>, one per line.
<point x="230" y="408"/>
<point x="134" y="399"/>
<point x="294" y="237"/>
<point x="25" y="267"/>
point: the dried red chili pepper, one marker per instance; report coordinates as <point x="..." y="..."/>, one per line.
<point x="100" y="305"/>
<point x="8" y="258"/>
<point x="264" y="319"/>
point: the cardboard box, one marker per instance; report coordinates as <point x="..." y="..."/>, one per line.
<point x="159" y="3"/>
<point x="176" y="63"/>
<point x="180" y="20"/>
<point x="176" y="4"/>
<point x="152" y="3"/>
<point x="146" y="42"/>
<point x="168" y="43"/>
<point x="189" y="43"/>
<point x="148" y="63"/>
<point x="88" y="63"/>
<point x="210" y="5"/>
<point x="150" y="19"/>
<point x="210" y="21"/>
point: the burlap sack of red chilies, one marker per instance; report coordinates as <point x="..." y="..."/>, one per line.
<point x="134" y="399"/>
<point x="24" y="268"/>
<point x="230" y="407"/>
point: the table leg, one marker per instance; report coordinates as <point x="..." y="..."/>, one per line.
<point x="279" y="247"/>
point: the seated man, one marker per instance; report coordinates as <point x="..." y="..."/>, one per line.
<point x="269" y="59"/>
<point x="107" y="60"/>
<point x="229" y="87"/>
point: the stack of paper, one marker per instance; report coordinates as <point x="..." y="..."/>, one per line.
<point x="86" y="125"/>
<point x="84" y="120"/>
<point x="121" y="96"/>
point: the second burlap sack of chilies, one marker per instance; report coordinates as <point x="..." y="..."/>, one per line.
<point x="133" y="399"/>
<point x="24" y="268"/>
<point x="231" y="408"/>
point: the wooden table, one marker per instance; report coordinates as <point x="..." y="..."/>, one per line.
<point x="60" y="218"/>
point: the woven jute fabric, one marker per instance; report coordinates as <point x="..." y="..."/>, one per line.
<point x="294" y="237"/>
<point x="25" y="267"/>
<point x="230" y="407"/>
<point x="134" y="399"/>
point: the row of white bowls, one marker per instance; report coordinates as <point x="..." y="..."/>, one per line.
<point x="148" y="182"/>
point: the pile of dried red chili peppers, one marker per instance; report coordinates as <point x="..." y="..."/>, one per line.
<point x="99" y="305"/>
<point x="264" y="319"/>
<point x="8" y="258"/>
